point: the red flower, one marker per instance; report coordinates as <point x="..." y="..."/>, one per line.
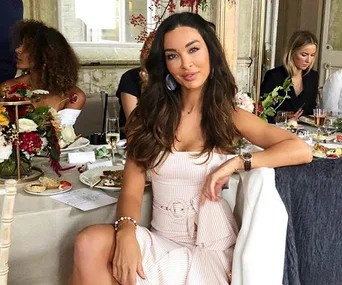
<point x="14" y="88"/>
<point x="260" y="109"/>
<point x="30" y="142"/>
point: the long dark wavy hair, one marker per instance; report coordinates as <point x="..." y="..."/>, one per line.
<point x="152" y="126"/>
<point x="51" y="54"/>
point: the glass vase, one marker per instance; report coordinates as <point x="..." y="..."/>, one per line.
<point x="9" y="167"/>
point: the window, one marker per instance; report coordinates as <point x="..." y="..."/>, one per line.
<point x="101" y="21"/>
<point x="100" y="30"/>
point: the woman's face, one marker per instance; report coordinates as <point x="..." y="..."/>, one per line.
<point x="187" y="57"/>
<point x="304" y="56"/>
<point x="23" y="58"/>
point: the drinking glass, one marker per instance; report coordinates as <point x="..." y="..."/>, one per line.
<point x="112" y="134"/>
<point x="281" y="119"/>
<point x="319" y="116"/>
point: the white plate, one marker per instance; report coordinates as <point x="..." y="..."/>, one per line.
<point x="328" y="145"/>
<point x="78" y="144"/>
<point x="307" y="120"/>
<point x="48" y="192"/>
<point x="91" y="175"/>
<point x="322" y="138"/>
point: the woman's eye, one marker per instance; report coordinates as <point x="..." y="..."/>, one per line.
<point x="192" y="50"/>
<point x="170" y="56"/>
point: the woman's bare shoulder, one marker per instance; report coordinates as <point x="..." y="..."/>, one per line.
<point x="13" y="81"/>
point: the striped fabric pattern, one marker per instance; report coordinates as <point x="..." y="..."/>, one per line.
<point x="187" y="243"/>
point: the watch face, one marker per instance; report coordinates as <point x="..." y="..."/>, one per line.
<point x="247" y="156"/>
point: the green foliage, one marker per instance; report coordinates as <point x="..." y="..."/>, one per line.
<point x="338" y="124"/>
<point x="272" y="101"/>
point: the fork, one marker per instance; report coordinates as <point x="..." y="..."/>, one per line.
<point x="92" y="181"/>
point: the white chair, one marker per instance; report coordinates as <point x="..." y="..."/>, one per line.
<point x="5" y="227"/>
<point x="332" y="93"/>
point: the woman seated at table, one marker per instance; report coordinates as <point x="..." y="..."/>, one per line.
<point x="298" y="61"/>
<point x="183" y="133"/>
<point x="48" y="63"/>
<point x="131" y="84"/>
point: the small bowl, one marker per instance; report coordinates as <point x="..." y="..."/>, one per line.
<point x="97" y="138"/>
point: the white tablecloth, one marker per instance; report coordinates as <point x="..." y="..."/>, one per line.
<point x="43" y="233"/>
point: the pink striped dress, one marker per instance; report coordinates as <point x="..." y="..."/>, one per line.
<point x="187" y="243"/>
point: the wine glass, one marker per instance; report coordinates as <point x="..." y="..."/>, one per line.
<point x="319" y="116"/>
<point x="112" y="134"/>
<point x="281" y="119"/>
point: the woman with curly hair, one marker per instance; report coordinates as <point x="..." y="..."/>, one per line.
<point x="48" y="63"/>
<point x="183" y="133"/>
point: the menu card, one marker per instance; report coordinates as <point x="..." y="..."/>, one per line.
<point x="85" y="199"/>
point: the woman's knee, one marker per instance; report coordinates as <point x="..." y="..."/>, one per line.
<point x="94" y="240"/>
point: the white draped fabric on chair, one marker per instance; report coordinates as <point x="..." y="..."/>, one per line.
<point x="332" y="93"/>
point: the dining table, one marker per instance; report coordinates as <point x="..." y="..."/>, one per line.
<point x="44" y="230"/>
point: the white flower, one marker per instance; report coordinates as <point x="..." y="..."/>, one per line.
<point x="27" y="125"/>
<point x="53" y="112"/>
<point x="245" y="102"/>
<point x="5" y="149"/>
<point x="40" y="92"/>
<point x="292" y="123"/>
<point x="68" y="134"/>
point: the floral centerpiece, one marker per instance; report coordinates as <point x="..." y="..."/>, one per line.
<point x="39" y="129"/>
<point x="244" y="101"/>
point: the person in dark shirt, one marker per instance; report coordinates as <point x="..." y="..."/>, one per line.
<point x="11" y="11"/>
<point x="131" y="84"/>
<point x="298" y="60"/>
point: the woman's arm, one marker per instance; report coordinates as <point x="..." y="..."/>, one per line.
<point x="131" y="194"/>
<point x="281" y="147"/>
<point x="127" y="260"/>
<point x="129" y="102"/>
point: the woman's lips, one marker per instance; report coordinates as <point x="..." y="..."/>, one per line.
<point x="190" y="76"/>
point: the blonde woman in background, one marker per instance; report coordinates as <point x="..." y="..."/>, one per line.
<point x="298" y="61"/>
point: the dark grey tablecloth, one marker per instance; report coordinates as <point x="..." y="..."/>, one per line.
<point x="312" y="195"/>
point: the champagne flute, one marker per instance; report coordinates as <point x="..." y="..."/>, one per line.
<point x="112" y="134"/>
<point x="281" y="119"/>
<point x="319" y="116"/>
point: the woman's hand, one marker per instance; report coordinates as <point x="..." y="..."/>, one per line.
<point x="296" y="115"/>
<point x="215" y="181"/>
<point x="127" y="261"/>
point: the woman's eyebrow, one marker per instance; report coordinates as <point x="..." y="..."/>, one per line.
<point x="192" y="42"/>
<point x="188" y="44"/>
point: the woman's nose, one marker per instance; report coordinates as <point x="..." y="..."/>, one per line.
<point x="186" y="62"/>
<point x="19" y="49"/>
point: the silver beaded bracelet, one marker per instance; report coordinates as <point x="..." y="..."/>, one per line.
<point x="121" y="219"/>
